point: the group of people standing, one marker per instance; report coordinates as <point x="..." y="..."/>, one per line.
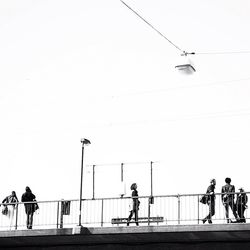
<point x="237" y="206"/>
<point x="10" y="205"/>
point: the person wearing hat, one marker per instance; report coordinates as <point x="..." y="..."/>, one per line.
<point x="135" y="206"/>
<point x="227" y="197"/>
<point x="210" y="201"/>
<point x="241" y="204"/>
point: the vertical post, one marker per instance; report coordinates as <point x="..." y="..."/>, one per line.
<point x="122" y="172"/>
<point x="151" y="199"/>
<point x="198" y="201"/>
<point x="61" y="215"/>
<point x="16" y="216"/>
<point x="179" y="208"/>
<point x="57" y="215"/>
<point x="149" y="202"/>
<point x="102" y="214"/>
<point x="80" y="200"/>
<point x="93" y="182"/>
<point x="151" y="178"/>
<point x="122" y="184"/>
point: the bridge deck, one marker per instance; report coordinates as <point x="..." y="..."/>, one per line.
<point x="221" y="236"/>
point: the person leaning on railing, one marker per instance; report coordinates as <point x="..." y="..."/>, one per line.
<point x="210" y="201"/>
<point x="29" y="207"/>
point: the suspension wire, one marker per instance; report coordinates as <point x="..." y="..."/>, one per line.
<point x="223" y="52"/>
<point x="198" y="85"/>
<point x="184" y="52"/>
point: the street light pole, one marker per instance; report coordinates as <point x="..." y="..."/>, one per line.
<point x="84" y="142"/>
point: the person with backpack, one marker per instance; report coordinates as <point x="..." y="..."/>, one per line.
<point x="10" y="206"/>
<point x="227" y="198"/>
<point x="210" y="199"/>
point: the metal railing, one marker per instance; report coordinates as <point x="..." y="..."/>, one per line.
<point x="180" y="209"/>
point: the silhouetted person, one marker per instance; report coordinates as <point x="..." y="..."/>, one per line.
<point x="135" y="206"/>
<point x="11" y="207"/>
<point x="241" y="204"/>
<point x="227" y="198"/>
<point x="29" y="207"/>
<point x="210" y="201"/>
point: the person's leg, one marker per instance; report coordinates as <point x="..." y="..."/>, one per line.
<point x="129" y="217"/>
<point x="27" y="221"/>
<point x="239" y="211"/>
<point x="136" y="217"/>
<point x="233" y="208"/>
<point x="211" y="211"/>
<point x="208" y="216"/>
<point x="227" y="212"/>
<point x="31" y="220"/>
<point x="11" y="215"/>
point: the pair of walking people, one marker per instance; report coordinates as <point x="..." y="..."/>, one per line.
<point x="10" y="204"/>
<point x="227" y="198"/>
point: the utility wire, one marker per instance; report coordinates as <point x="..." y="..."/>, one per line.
<point x="183" y="51"/>
<point x="198" y="85"/>
<point x="222" y="53"/>
<point x="154" y="28"/>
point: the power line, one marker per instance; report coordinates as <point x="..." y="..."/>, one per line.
<point x="223" y="52"/>
<point x="153" y="27"/>
<point x="183" y="51"/>
<point x="198" y="85"/>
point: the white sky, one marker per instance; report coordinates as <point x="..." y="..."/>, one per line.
<point x="79" y="68"/>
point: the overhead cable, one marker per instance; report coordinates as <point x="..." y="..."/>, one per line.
<point x="184" y="52"/>
<point x="222" y="52"/>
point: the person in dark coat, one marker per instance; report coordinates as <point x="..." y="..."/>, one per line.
<point x="227" y="197"/>
<point x="210" y="201"/>
<point x="241" y="205"/>
<point x="29" y="207"/>
<point x="135" y="206"/>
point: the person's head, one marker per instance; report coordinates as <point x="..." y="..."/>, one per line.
<point x="228" y="180"/>
<point x="27" y="189"/>
<point x="241" y="189"/>
<point x="133" y="186"/>
<point x="213" y="182"/>
<point x="13" y="193"/>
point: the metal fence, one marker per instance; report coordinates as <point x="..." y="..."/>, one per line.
<point x="173" y="209"/>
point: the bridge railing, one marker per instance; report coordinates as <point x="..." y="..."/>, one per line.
<point x="180" y="209"/>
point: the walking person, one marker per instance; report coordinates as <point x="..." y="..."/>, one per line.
<point x="29" y="207"/>
<point x="241" y="204"/>
<point x="227" y="197"/>
<point x="135" y="206"/>
<point x="11" y="206"/>
<point x="210" y="201"/>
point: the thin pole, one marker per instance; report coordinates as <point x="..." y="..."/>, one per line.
<point x="93" y="182"/>
<point x="80" y="201"/>
<point x="122" y="172"/>
<point x="151" y="178"/>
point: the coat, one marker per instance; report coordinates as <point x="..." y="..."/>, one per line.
<point x="29" y="207"/>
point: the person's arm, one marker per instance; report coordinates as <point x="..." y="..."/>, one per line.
<point x="222" y="191"/>
<point x="233" y="191"/>
<point x="4" y="200"/>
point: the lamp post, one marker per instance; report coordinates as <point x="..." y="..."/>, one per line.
<point x="84" y="142"/>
